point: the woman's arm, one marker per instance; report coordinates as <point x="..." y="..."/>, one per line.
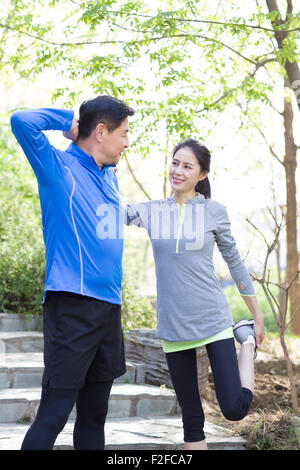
<point x="259" y="330"/>
<point x="137" y="214"/>
<point x="227" y="246"/>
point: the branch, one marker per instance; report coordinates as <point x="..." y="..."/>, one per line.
<point x="54" y="43"/>
<point x="222" y="97"/>
<point x="192" y="20"/>
<point x="289" y="9"/>
<point x="265" y="283"/>
<point x="266" y="291"/>
<point x="135" y="178"/>
<point x="139" y="41"/>
<point x="273" y="244"/>
<point x="280" y="319"/>
<point x="236" y="25"/>
<point x="270" y="147"/>
<point x="250" y="75"/>
<point x="265" y="139"/>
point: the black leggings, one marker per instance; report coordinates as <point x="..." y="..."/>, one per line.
<point x="54" y="410"/>
<point x="234" y="400"/>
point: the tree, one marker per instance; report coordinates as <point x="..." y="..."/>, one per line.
<point x="286" y="42"/>
<point x="183" y="45"/>
<point x="279" y="307"/>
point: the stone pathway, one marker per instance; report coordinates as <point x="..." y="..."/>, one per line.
<point x="159" y="433"/>
<point x="140" y="416"/>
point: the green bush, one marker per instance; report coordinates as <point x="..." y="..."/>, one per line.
<point x="21" y="279"/>
<point x="21" y="242"/>
<point x="137" y="310"/>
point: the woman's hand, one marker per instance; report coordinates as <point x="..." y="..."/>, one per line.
<point x="72" y="133"/>
<point x="259" y="329"/>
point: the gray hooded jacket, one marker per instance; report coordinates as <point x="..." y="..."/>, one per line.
<point x="191" y="304"/>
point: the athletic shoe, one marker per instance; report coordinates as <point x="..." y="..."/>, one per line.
<point x="242" y="330"/>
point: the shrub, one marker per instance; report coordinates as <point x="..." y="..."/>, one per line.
<point x="21" y="241"/>
<point x="137" y="310"/>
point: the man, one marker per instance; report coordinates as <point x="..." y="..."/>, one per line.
<point x="83" y="338"/>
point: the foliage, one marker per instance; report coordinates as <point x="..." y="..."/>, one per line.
<point x="21" y="243"/>
<point x="179" y="63"/>
<point x="137" y="311"/>
<point x="21" y="279"/>
<point x="184" y="46"/>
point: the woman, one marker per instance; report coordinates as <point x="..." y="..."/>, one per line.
<point x="191" y="307"/>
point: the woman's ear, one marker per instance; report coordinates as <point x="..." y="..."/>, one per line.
<point x="203" y="175"/>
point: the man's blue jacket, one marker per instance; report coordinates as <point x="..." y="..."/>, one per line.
<point x="82" y="215"/>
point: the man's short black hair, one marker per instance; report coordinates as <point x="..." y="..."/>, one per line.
<point x="107" y="109"/>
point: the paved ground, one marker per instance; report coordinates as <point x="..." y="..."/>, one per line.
<point x="140" y="416"/>
<point x="133" y="434"/>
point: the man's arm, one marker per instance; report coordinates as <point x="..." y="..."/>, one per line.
<point x="28" y="127"/>
<point x="72" y="133"/>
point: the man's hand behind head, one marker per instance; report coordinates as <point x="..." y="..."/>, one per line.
<point x="72" y="133"/>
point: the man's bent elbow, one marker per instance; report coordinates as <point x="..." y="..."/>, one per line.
<point x="17" y="120"/>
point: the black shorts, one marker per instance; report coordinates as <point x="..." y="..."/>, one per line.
<point x="83" y="341"/>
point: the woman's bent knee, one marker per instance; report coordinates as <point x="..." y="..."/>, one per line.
<point x="238" y="409"/>
<point x="233" y="414"/>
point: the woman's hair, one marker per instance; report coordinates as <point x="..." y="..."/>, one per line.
<point x="203" y="156"/>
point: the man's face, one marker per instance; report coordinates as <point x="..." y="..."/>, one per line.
<point x="114" y="143"/>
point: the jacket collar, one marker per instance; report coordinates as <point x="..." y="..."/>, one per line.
<point x="195" y="200"/>
<point x="85" y="159"/>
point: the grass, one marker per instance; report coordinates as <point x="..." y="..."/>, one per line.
<point x="271" y="431"/>
<point x="265" y="429"/>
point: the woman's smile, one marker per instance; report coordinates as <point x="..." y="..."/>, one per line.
<point x="177" y="180"/>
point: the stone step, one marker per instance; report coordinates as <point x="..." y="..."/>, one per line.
<point x="154" y="433"/>
<point x="21" y="341"/>
<point x="22" y="370"/>
<point x="126" y="400"/>
<point x="19" y="370"/>
<point x="16" y="322"/>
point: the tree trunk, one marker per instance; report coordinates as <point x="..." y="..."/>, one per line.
<point x="291" y="68"/>
<point x="289" y="365"/>
<point x="290" y="165"/>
